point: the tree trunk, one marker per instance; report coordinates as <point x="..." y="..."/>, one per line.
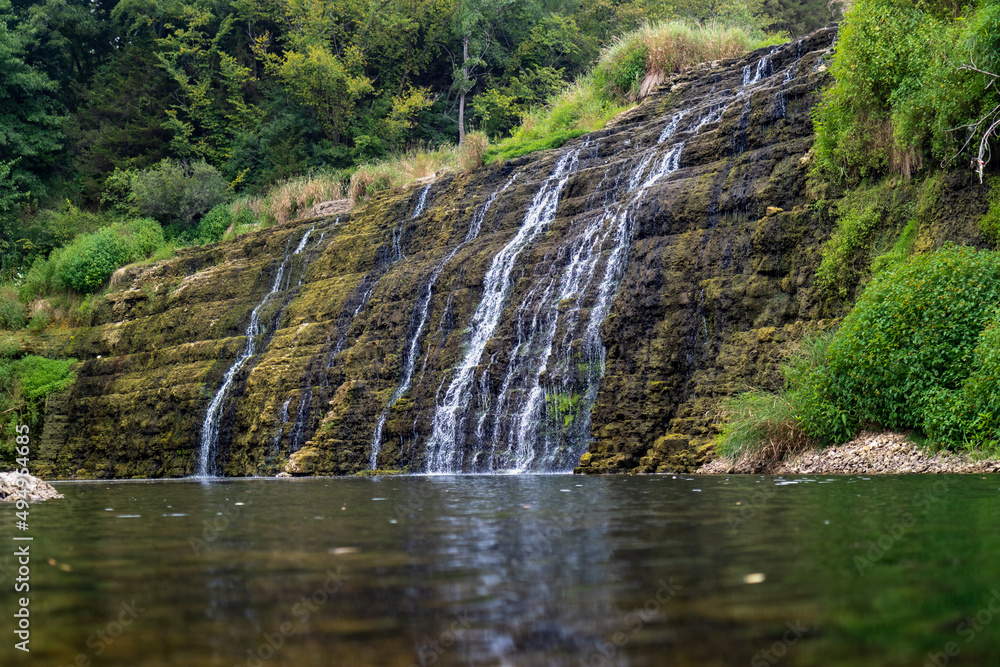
<point x="461" y="98"/>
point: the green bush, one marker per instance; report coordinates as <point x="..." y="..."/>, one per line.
<point x="38" y="281"/>
<point x="215" y="223"/>
<point x="177" y="192"/>
<point x="970" y="416"/>
<point x="11" y="310"/>
<point x="912" y="334"/>
<point x="37" y="377"/>
<point x="621" y="71"/>
<point x="898" y="95"/>
<point x="88" y="262"/>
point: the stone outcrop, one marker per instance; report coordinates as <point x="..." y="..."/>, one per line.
<point x="16" y="486"/>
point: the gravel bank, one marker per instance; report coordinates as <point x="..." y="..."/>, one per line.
<point x="868" y="454"/>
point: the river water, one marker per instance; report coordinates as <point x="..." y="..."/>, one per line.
<point x="513" y="570"/>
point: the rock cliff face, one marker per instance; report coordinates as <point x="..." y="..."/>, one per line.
<point x="585" y="307"/>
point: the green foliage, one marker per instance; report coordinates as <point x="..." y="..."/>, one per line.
<point x="30" y="116"/>
<point x="808" y="383"/>
<point x="969" y="417"/>
<point x="38" y="377"/>
<point x="899" y="94"/>
<point x="515" y="147"/>
<point x="900" y="251"/>
<point x="11" y="310"/>
<point x="669" y="47"/>
<point x="865" y="215"/>
<point x="761" y="424"/>
<point x="88" y="262"/>
<point x="622" y="68"/>
<point x="912" y="334"/>
<point x="989" y="224"/>
<point x="215" y="223"/>
<point x="177" y="192"/>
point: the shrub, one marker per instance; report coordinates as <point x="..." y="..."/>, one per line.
<point x="898" y="95"/>
<point x="214" y="224"/>
<point x="970" y="416"/>
<point x="37" y="377"/>
<point x="87" y="263"/>
<point x="177" y="192"/>
<point x="11" y="310"/>
<point x="912" y="334"/>
<point x="38" y="281"/>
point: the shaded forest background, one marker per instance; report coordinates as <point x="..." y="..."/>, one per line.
<point x="95" y="91"/>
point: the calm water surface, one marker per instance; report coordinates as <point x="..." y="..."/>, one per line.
<point x="514" y="570"/>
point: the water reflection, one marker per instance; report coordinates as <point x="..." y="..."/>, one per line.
<point x="515" y="570"/>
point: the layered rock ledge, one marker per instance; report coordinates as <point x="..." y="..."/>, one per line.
<point x="868" y="454"/>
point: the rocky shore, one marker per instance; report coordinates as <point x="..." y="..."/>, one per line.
<point x="868" y="454"/>
<point x="14" y="485"/>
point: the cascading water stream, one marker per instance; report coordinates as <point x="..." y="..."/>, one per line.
<point x="423" y="307"/>
<point x="539" y="318"/>
<point x="443" y="448"/>
<point x="210" y="425"/>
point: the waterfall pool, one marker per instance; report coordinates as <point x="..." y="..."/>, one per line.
<point x="512" y="570"/>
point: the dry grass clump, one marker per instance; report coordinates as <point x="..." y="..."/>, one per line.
<point x="470" y="153"/>
<point x="658" y="49"/>
<point x="290" y="198"/>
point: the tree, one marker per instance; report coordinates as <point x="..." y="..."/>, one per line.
<point x="30" y="119"/>
<point x="474" y="23"/>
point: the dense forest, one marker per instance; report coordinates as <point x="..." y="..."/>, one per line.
<point x="253" y="92"/>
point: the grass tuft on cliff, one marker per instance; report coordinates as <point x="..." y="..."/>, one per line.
<point x="627" y="70"/>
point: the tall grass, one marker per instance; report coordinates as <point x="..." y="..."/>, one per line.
<point x="420" y="163"/>
<point x="628" y="69"/>
<point x="289" y="199"/>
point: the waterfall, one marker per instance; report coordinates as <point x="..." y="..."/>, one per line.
<point x="423" y="307"/>
<point x="209" y="440"/>
<point x="422" y="202"/>
<point x="443" y="448"/>
<point x="548" y="428"/>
